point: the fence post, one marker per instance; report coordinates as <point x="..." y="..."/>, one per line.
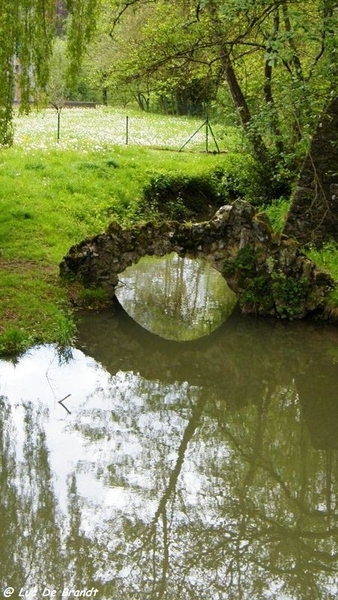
<point x="207" y="134"/>
<point x="59" y="119"/>
<point x="127" y="131"/>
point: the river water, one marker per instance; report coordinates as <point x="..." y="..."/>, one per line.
<point x="139" y="467"/>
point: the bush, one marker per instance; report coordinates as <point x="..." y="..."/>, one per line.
<point x="176" y="195"/>
<point x="245" y="178"/>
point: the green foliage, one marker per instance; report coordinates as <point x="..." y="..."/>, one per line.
<point x="26" y="32"/>
<point x="258" y="293"/>
<point x="246" y="178"/>
<point x="173" y="57"/>
<point x="82" y="20"/>
<point x="92" y="298"/>
<point x="326" y="258"/>
<point x="256" y="288"/>
<point x="15" y="341"/>
<point x="177" y="54"/>
<point x="56" y="89"/>
<point x="178" y="195"/>
<point x="8" y="15"/>
<point x="243" y="264"/>
<point x="289" y="294"/>
<point x="64" y="329"/>
<point x="277" y="212"/>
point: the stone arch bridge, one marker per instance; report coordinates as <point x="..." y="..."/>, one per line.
<point x="269" y="273"/>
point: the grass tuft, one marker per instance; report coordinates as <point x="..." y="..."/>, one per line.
<point x="327" y="259"/>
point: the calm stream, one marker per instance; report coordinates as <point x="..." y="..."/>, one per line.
<point x="138" y="467"/>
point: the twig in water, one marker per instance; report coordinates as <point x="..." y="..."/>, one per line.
<point x="65" y="407"/>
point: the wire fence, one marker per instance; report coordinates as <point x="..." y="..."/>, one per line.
<point x="100" y="128"/>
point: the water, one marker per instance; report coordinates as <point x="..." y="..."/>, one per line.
<point x="203" y="469"/>
<point x="191" y="298"/>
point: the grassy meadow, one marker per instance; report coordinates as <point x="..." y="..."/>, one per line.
<point x="52" y="195"/>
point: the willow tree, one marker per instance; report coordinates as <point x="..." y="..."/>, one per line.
<point x="27" y="30"/>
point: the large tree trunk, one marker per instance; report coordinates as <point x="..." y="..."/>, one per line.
<point x="313" y="216"/>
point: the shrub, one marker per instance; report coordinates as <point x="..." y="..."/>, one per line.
<point x="176" y="195"/>
<point x="246" y="179"/>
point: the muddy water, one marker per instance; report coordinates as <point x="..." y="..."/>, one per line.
<point x="137" y="467"/>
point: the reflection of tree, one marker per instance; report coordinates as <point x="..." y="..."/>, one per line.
<point x="32" y="549"/>
<point x="268" y="529"/>
<point x="175" y="297"/>
<point x="264" y="519"/>
<point x="162" y="520"/>
<point x="11" y="571"/>
<point x="216" y="488"/>
<point x="40" y="514"/>
<point x="79" y="551"/>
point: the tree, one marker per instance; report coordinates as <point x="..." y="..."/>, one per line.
<point x="277" y="59"/>
<point x="27" y="29"/>
<point x="313" y="215"/>
<point x="26" y="33"/>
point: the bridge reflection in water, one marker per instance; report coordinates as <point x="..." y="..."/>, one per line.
<point x="176" y="298"/>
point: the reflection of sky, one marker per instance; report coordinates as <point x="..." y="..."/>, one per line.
<point x="47" y="380"/>
<point x="124" y="438"/>
<point x="112" y="407"/>
<point x="39" y="378"/>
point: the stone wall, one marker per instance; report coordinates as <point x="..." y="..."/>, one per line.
<point x="270" y="276"/>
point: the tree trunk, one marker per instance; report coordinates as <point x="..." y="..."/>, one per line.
<point x="313" y="216"/>
<point x="242" y="108"/>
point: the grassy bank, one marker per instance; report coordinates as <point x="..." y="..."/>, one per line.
<point x="54" y="195"/>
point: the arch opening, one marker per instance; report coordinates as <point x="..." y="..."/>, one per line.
<point x="176" y="298"/>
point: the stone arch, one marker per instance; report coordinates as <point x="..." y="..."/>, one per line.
<point x="270" y="276"/>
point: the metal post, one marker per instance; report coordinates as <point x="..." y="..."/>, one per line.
<point x="59" y="120"/>
<point x="127" y="131"/>
<point x="207" y="134"/>
<point x="213" y="137"/>
<point x="187" y="142"/>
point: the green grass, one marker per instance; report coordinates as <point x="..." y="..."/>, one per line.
<point x="54" y="195"/>
<point x="327" y="258"/>
<point x="277" y="213"/>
